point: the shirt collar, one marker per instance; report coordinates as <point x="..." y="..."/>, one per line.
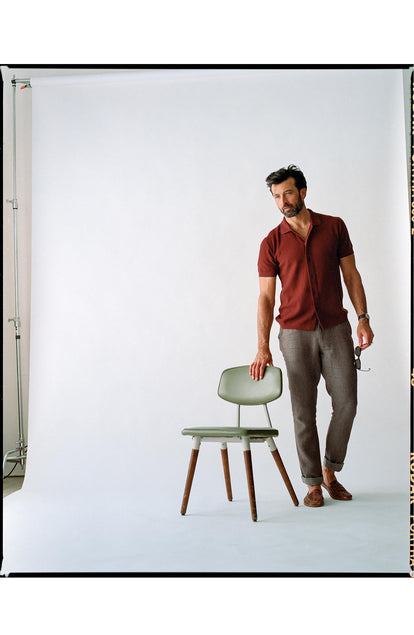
<point x="285" y="227"/>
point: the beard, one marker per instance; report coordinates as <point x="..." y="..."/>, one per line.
<point x="291" y="211"/>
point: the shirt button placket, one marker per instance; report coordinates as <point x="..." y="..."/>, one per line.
<point x="312" y="281"/>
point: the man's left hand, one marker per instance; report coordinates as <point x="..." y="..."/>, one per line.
<point x="364" y="333"/>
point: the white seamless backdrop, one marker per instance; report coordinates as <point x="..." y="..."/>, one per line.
<point x="149" y="205"/>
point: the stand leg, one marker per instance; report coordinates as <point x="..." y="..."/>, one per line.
<point x="225" y="460"/>
<point x="250" y="482"/>
<point x="284" y="474"/>
<point x="189" y="481"/>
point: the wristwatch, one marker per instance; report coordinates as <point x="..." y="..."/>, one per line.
<point x="363" y="315"/>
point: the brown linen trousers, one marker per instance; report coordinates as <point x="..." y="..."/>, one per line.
<point x="308" y="355"/>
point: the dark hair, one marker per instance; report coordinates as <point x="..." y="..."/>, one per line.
<point x="284" y="173"/>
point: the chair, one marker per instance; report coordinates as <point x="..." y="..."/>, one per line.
<point x="238" y="387"/>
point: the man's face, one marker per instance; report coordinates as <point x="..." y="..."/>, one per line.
<point x="288" y="198"/>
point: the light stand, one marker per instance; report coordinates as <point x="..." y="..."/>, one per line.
<point x="20" y="453"/>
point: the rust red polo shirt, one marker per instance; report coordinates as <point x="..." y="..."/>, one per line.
<point x="308" y="270"/>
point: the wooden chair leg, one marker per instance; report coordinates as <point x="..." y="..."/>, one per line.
<point x="284" y="474"/>
<point x="189" y="481"/>
<point x="250" y="482"/>
<point x="225" y="460"/>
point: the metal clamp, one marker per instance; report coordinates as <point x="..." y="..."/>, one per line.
<point x="13" y="201"/>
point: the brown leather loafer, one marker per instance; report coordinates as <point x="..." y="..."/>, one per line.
<point x="313" y="499"/>
<point x="337" y="491"/>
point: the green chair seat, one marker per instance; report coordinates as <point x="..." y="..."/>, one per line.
<point x="231" y="432"/>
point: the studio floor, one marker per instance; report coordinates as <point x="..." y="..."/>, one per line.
<point x="367" y="535"/>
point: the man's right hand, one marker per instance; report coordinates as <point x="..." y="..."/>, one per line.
<point x="263" y="359"/>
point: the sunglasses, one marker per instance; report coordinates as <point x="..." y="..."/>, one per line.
<point x="357" y="361"/>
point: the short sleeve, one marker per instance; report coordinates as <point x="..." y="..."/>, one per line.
<point x="267" y="264"/>
<point x="345" y="247"/>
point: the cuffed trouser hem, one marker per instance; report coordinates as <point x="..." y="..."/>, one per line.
<point x="317" y="480"/>
<point x="336" y="467"/>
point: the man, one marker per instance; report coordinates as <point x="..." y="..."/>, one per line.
<point x="307" y="251"/>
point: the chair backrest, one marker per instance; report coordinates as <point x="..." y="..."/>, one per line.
<point x="237" y="386"/>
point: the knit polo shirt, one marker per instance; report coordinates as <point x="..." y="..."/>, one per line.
<point x="308" y="270"/>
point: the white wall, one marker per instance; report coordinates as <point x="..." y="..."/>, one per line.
<point x="159" y="272"/>
<point x="24" y="195"/>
